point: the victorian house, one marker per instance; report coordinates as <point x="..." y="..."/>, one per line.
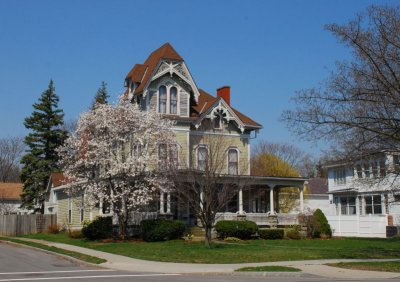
<point x="163" y="83"/>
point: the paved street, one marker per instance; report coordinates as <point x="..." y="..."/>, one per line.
<point x="18" y="263"/>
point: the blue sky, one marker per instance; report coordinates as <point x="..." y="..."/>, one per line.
<point x="265" y="50"/>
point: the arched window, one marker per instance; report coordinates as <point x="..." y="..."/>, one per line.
<point x="201" y="158"/>
<point x="162" y="99"/>
<point x="233" y="161"/>
<point x="173" y="100"/>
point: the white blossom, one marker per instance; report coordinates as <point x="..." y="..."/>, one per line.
<point x="113" y="157"/>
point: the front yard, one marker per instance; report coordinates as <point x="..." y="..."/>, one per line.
<point x="245" y="251"/>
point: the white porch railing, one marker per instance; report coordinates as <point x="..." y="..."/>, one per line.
<point x="260" y="218"/>
<point x="358" y="226"/>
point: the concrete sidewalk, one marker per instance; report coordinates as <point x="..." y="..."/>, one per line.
<point x="313" y="267"/>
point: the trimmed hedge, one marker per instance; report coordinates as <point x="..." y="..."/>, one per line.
<point x="99" y="228"/>
<point x="234" y="228"/>
<point x="161" y="230"/>
<point x="320" y="225"/>
<point x="271" y="234"/>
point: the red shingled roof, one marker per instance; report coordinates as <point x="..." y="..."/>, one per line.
<point x="58" y="179"/>
<point x="318" y="185"/>
<point x="141" y="73"/>
<point x="164" y="52"/>
<point x="206" y="101"/>
<point x="11" y="191"/>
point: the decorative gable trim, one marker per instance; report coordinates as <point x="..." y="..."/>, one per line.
<point x="220" y="106"/>
<point x="171" y="68"/>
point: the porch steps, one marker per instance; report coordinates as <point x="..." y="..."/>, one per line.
<point x="197" y="232"/>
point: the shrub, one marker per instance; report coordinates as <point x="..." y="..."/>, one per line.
<point x="306" y="220"/>
<point x="100" y="228"/>
<point x="75" y="234"/>
<point x="294" y="232"/>
<point x="271" y="234"/>
<point x="161" y="230"/>
<point x="320" y="225"/>
<point x="232" y="240"/>
<point x="53" y="229"/>
<point x="234" y="228"/>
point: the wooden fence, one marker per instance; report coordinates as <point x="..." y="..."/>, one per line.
<point x="17" y="225"/>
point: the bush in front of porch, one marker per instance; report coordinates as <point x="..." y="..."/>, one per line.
<point x="242" y="229"/>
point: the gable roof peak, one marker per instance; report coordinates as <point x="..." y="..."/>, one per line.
<point x="166" y="51"/>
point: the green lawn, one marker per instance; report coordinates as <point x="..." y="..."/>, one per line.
<point x="389" y="266"/>
<point x="271" y="268"/>
<point x="76" y="255"/>
<point x="246" y="251"/>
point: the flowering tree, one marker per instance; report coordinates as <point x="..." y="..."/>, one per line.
<point x="112" y="156"/>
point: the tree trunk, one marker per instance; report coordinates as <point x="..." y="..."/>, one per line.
<point x="207" y="236"/>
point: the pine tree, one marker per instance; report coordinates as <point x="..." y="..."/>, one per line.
<point x="101" y="95"/>
<point x="41" y="156"/>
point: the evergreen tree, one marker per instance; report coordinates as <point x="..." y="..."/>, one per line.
<point x="41" y="156"/>
<point x="101" y="95"/>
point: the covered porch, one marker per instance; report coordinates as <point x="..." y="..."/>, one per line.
<point x="258" y="199"/>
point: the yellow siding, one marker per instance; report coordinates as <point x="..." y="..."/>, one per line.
<point x="76" y="202"/>
<point x="218" y="146"/>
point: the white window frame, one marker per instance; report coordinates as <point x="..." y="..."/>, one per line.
<point x="339" y="176"/>
<point x="168" y="155"/>
<point x="168" y="84"/>
<point x="202" y="146"/>
<point x="238" y="160"/>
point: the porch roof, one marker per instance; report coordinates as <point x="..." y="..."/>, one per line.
<point x="248" y="180"/>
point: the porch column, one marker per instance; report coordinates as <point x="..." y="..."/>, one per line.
<point x="383" y="203"/>
<point x="168" y="202"/>
<point x="240" y="201"/>
<point x="362" y="205"/>
<point x="201" y="198"/>
<point x="161" y="202"/>
<point x="302" y="198"/>
<point x="357" y="205"/>
<point x="271" y="200"/>
<point x="101" y="207"/>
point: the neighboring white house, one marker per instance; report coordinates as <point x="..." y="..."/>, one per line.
<point x="317" y="195"/>
<point x="10" y="199"/>
<point x="364" y="195"/>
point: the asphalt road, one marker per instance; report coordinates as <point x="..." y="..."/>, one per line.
<point x="18" y="263"/>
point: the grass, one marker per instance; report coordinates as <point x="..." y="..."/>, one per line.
<point x="80" y="256"/>
<point x="388" y="266"/>
<point x="272" y="268"/>
<point x="240" y="252"/>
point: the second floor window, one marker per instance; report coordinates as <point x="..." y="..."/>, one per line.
<point x="233" y="161"/>
<point x="162" y="103"/>
<point x="162" y="156"/>
<point x="339" y="176"/>
<point x="167" y="156"/>
<point x="359" y="171"/>
<point x="202" y="158"/>
<point x="366" y="170"/>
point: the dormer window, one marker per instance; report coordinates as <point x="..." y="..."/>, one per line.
<point x="168" y="100"/>
<point x="173" y="100"/>
<point x="162" y="103"/>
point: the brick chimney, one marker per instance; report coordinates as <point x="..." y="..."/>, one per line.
<point x="225" y="93"/>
